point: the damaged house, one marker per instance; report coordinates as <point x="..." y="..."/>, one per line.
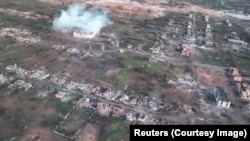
<point x="245" y="91"/>
<point x="235" y="73"/>
<point x="221" y="97"/>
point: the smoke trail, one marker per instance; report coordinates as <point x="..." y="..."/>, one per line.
<point x="89" y="21"/>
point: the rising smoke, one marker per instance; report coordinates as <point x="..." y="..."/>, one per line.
<point x="86" y="20"/>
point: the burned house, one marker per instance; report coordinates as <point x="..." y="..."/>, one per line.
<point x="235" y="73"/>
<point x="155" y="50"/>
<point x="85" y="102"/>
<point x="186" y="50"/>
<point x="221" y="97"/>
<point x="245" y="91"/>
<point x="132" y="116"/>
<point x="209" y="38"/>
<point x="104" y="108"/>
<point x="235" y="39"/>
<point x="246" y="95"/>
<point x="117" y="111"/>
<point x="143" y="118"/>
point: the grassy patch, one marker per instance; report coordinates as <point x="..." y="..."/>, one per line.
<point x="156" y="65"/>
<point x="133" y="61"/>
<point x="51" y="120"/>
<point x="15" y="56"/>
<point x="242" y="62"/>
<point x="115" y="130"/>
<point x="4" y="45"/>
<point x="62" y="107"/>
<point x="124" y="76"/>
<point x="3" y="114"/>
<point x="140" y="91"/>
<point x="212" y="58"/>
<point x="100" y="71"/>
<point x="75" y="120"/>
<point x="8" y="21"/>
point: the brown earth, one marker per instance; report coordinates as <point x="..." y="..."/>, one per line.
<point x="173" y="94"/>
<point x="89" y="133"/>
<point x="213" y="78"/>
<point x="145" y="9"/>
<point x="141" y="81"/>
<point x="37" y="134"/>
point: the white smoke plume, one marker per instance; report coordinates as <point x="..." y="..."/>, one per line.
<point x="78" y="16"/>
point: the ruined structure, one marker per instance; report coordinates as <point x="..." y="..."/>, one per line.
<point x="221" y="97"/>
<point x="186" y="51"/>
<point x="235" y="73"/>
<point x="208" y="38"/>
<point x="244" y="90"/>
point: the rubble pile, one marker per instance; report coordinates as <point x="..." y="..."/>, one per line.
<point x="42" y="94"/>
<point x="142" y="118"/>
<point x="189" y="29"/>
<point x="243" y="88"/>
<point x="58" y="47"/>
<point x="61" y="80"/>
<point x="84" y="102"/>
<point x="3" y="79"/>
<point x="235" y="39"/>
<point x="39" y="74"/>
<point x="209" y="38"/>
<point x="19" y="84"/>
<point x="26" y="15"/>
<point x="186" y="51"/>
<point x="58" y="80"/>
<point x="73" y="51"/>
<point x="63" y="96"/>
<point x="188" y="84"/>
<point x="19" y="35"/>
<point x="83" y="36"/>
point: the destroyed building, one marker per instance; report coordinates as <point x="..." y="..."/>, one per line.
<point x="155" y="59"/>
<point x="3" y="79"/>
<point x="186" y="50"/>
<point x="208" y="38"/>
<point x="85" y="102"/>
<point x="244" y="91"/>
<point x="153" y="105"/>
<point x="189" y="29"/>
<point x="143" y="118"/>
<point x="246" y="94"/>
<point x="20" y="84"/>
<point x="235" y="73"/>
<point x="221" y="97"/>
<point x="63" y="96"/>
<point x="117" y="111"/>
<point x="132" y="116"/>
<point x="39" y="74"/>
<point x="155" y="50"/>
<point x="104" y="108"/>
<point x="124" y="99"/>
<point x="235" y="39"/>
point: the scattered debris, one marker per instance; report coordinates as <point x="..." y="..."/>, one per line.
<point x="63" y="96"/>
<point x="221" y="97"/>
<point x="19" y="84"/>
